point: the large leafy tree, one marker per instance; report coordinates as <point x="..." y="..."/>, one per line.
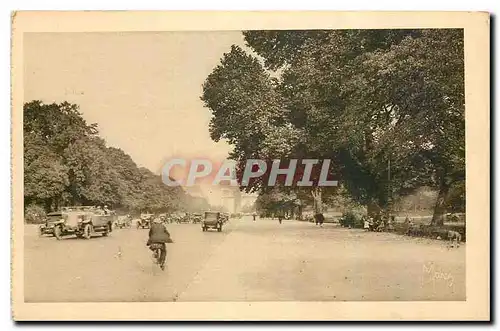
<point x="249" y="112"/>
<point x="386" y="105"/>
<point x="66" y="162"/>
<point x="418" y="86"/>
<point x="45" y="175"/>
<point x="48" y="131"/>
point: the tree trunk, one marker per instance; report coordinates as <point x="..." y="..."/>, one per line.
<point x="48" y="205"/>
<point x="373" y="209"/>
<point x="440" y="206"/>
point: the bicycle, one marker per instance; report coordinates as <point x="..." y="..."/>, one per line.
<point x="157" y="249"/>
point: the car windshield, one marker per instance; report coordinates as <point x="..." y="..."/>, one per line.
<point x="211" y="215"/>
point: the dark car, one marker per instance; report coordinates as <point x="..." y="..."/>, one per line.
<point x="50" y="220"/>
<point x="212" y="220"/>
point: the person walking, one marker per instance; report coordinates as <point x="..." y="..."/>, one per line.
<point x="320" y="219"/>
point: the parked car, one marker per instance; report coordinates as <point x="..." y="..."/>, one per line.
<point x="184" y="218"/>
<point x="212" y="220"/>
<point x="48" y="227"/>
<point x="197" y="218"/>
<point x="123" y="222"/>
<point x="82" y="221"/>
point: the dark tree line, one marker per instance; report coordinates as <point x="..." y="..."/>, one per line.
<point x="67" y="163"/>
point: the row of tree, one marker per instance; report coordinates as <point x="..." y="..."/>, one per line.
<point x="386" y="105"/>
<point x="67" y="163"/>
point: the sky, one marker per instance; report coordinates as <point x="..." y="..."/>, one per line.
<point x="142" y="88"/>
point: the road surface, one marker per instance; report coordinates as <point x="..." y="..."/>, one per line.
<point x="254" y="261"/>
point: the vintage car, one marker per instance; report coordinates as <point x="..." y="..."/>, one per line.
<point x="212" y="220"/>
<point x="82" y="221"/>
<point x="124" y="221"/>
<point x="145" y="221"/>
<point x="48" y="227"/>
<point x="182" y="218"/>
<point x="196" y="218"/>
<point x="172" y="218"/>
<point x="186" y="218"/>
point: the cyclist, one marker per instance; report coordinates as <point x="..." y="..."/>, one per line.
<point x="158" y="237"/>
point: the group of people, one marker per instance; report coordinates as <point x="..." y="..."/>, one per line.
<point x="104" y="210"/>
<point x="378" y="224"/>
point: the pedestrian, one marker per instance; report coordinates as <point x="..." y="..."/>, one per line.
<point x="371" y="224"/>
<point x="320" y="219"/>
<point x="366" y="224"/>
<point x="254" y="216"/>
<point x="280" y="218"/>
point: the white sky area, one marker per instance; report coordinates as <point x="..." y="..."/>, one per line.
<point x="142" y="88"/>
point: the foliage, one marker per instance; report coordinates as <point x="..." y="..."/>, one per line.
<point x="386" y="105"/>
<point x="34" y="214"/>
<point x="276" y="201"/>
<point x="353" y="218"/>
<point x="456" y="197"/>
<point x="66" y="162"/>
<point x="423" y="198"/>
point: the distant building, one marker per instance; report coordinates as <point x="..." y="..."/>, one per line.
<point x="233" y="199"/>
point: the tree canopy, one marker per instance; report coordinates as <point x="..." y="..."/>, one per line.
<point x="67" y="163"/>
<point x="386" y="105"/>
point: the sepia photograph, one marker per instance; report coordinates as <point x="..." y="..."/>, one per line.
<point x="224" y="164"/>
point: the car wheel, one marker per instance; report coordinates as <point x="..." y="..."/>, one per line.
<point x="106" y="232"/>
<point x="87" y="230"/>
<point x="57" y="232"/>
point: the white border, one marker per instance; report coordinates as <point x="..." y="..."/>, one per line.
<point x="483" y="5"/>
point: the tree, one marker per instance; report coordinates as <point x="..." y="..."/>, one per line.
<point x="66" y="162"/>
<point x="276" y="201"/>
<point x="48" y="130"/>
<point x="248" y="112"/>
<point x="379" y="98"/>
<point x="45" y="176"/>
<point x="419" y="84"/>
